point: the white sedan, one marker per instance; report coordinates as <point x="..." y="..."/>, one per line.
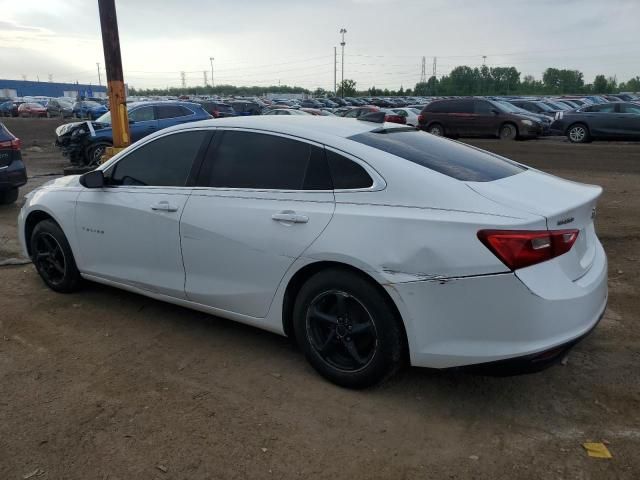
<point x="370" y="244"/>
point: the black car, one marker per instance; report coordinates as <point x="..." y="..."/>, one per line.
<point x="13" y="173"/>
<point x="339" y="101"/>
<point x="605" y="121"/>
<point x="59" y="108"/>
<point x="217" y="109"/>
<point x="245" y="108"/>
<point x="535" y="106"/>
<point x="311" y="103"/>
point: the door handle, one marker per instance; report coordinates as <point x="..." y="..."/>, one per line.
<point x="164" y="207"/>
<point x="289" y="216"/>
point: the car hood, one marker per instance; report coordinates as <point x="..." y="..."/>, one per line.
<point x="66" y="181"/>
<point x="69" y="127"/>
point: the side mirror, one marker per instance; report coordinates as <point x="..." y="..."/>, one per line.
<point x="93" y="179"/>
<point x="495" y="111"/>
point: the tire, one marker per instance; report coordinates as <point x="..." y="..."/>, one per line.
<point x="578" y="133"/>
<point x="436" y="129"/>
<point x="53" y="258"/>
<point x="347" y="330"/>
<point x="8" y="196"/>
<point x="508" y="131"/>
<point x="94" y="153"/>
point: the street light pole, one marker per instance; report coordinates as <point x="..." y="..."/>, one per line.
<point x="211" y="60"/>
<point x="343" y="31"/>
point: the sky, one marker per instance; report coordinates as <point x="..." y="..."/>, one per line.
<point x="291" y="42"/>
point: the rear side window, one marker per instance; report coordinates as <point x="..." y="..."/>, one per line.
<point x="172" y="111"/>
<point x="262" y="161"/>
<point x="347" y="174"/>
<point x="444" y="156"/>
<point x="165" y="162"/>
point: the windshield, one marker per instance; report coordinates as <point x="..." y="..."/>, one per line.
<point x="89" y="103"/>
<point x="543" y="106"/>
<point x="104" y="118"/>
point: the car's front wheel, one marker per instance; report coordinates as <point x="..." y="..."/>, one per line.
<point x="347" y="330"/>
<point x="52" y="257"/>
<point x="578" y="133"/>
<point x="508" y="131"/>
<point x="95" y="152"/>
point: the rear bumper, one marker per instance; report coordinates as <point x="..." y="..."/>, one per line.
<point x="13" y="176"/>
<point x="475" y="320"/>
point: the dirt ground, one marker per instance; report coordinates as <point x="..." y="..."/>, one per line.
<point x="105" y="384"/>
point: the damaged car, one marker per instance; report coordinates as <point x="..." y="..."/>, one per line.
<point x="84" y="143"/>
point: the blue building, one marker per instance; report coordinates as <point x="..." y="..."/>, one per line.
<point x="26" y="88"/>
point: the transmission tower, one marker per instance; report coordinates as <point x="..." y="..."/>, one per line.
<point x="183" y="79"/>
<point x="423" y="72"/>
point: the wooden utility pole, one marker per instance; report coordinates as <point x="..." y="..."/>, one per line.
<point x="115" y="80"/>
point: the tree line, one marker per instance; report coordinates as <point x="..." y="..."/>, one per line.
<point x="462" y="80"/>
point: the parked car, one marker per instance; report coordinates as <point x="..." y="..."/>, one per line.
<point x="13" y="173"/>
<point x="84" y="143"/>
<point x="535" y="106"/>
<point x="410" y="115"/>
<point x="218" y="109"/>
<point x="367" y="243"/>
<point x="284" y="111"/>
<point x="10" y="108"/>
<point x="476" y="117"/>
<point x="31" y="109"/>
<point x="339" y="101"/>
<point x="605" y="121"/>
<point x="390" y="115"/>
<point x="245" y="108"/>
<point x="59" y="108"/>
<point x="88" y="109"/>
<point x="311" y="103"/>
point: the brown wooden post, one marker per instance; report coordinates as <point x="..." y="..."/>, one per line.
<point x="115" y="80"/>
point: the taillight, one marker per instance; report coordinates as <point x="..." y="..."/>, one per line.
<point x="522" y="248"/>
<point x="11" y="144"/>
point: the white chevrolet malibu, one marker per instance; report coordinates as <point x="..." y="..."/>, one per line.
<point x="370" y="244"/>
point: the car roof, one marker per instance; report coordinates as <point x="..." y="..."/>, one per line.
<point x="311" y="127"/>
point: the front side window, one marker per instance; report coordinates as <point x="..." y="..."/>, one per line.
<point x="142" y="114"/>
<point x="164" y="162"/>
<point x="481" y="107"/>
<point x="449" y="158"/>
<point x="630" y="109"/>
<point x="261" y="161"/>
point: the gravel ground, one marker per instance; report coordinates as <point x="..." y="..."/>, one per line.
<point x="106" y="384"/>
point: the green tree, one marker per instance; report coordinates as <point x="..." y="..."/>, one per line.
<point x="421" y="89"/>
<point x="563" y="81"/>
<point x="347" y="88"/>
<point x="600" y="84"/>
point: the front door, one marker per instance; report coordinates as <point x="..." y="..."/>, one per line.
<point x="129" y="231"/>
<point x="263" y="199"/>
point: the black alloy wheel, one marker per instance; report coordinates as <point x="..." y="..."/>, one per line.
<point x="348" y="329"/>
<point x="49" y="258"/>
<point x="52" y="256"/>
<point x="341" y="331"/>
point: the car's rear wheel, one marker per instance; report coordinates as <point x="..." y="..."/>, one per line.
<point x="508" y="131"/>
<point x="436" y="129"/>
<point x="347" y="330"/>
<point x="578" y="133"/>
<point x="8" y="196"/>
<point x="52" y="257"/>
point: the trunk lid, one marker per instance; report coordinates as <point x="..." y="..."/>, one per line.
<point x="566" y="205"/>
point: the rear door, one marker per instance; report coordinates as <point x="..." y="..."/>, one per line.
<point x="262" y="200"/>
<point x="142" y="122"/>
<point x="169" y="115"/>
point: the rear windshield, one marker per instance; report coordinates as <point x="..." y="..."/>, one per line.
<point x="444" y="156"/>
